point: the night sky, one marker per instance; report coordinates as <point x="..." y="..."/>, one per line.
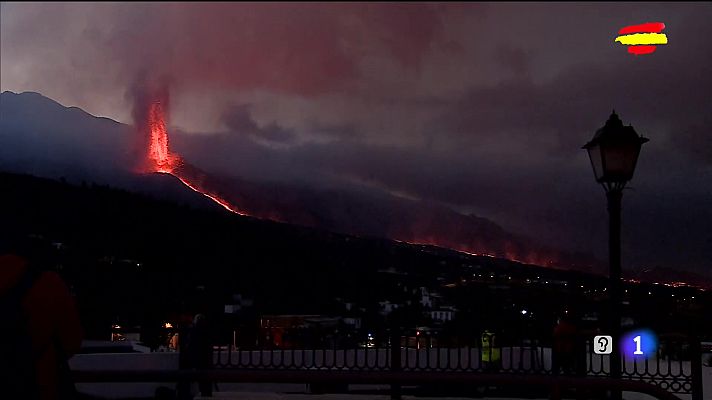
<point x="482" y="107"/>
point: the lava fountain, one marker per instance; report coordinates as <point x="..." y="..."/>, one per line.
<point x="161" y="160"/>
<point x="151" y="114"/>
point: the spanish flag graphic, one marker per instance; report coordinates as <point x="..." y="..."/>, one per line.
<point x="643" y="38"/>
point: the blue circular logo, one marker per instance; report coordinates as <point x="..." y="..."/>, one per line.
<point x="640" y="343"/>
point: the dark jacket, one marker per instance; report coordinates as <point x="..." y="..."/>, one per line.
<point x="52" y="317"/>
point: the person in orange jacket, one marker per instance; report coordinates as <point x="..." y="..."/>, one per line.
<point x="51" y="317"/>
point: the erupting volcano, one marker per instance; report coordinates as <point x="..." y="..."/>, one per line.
<point x="161" y="160"/>
<point x="409" y="222"/>
<point x="158" y="154"/>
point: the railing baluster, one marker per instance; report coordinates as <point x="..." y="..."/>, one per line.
<point x="696" y="381"/>
<point x="680" y="377"/>
<point x="353" y="364"/>
<point x="402" y="348"/>
<point x="385" y="353"/>
<point x="669" y="365"/>
<point x="261" y="362"/>
<point x="343" y="358"/>
<point x="657" y="361"/>
<point x="323" y="358"/>
<point x="365" y="358"/>
<point x="417" y="353"/>
<point x="459" y="354"/>
<point x="511" y="356"/>
<point x="439" y="355"/>
<point x="312" y="358"/>
<point x="647" y="366"/>
<point x="229" y="352"/>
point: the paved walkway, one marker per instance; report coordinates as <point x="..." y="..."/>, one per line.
<point x="281" y="396"/>
<point x="294" y="396"/>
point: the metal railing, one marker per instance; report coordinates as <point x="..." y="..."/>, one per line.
<point x="395" y="378"/>
<point x="678" y="373"/>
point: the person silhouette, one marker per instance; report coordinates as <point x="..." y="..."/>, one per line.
<point x="202" y="350"/>
<point x="563" y="357"/>
<point x="196" y="353"/>
<point x="491" y="356"/>
<point x="46" y="331"/>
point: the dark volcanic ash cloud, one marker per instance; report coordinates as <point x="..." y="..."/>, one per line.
<point x="481" y="107"/>
<point x="296" y="48"/>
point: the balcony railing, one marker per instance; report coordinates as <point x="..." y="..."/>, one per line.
<point x="555" y="385"/>
<point x="676" y="371"/>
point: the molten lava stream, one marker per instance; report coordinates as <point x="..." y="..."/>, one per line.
<point x="212" y="197"/>
<point x="161" y="160"/>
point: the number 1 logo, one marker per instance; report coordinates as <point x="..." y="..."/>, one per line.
<point x="637" y="341"/>
<point x="640" y="343"/>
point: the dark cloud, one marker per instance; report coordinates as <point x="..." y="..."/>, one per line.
<point x="297" y="48"/>
<point x="481" y="107"/>
<point x="238" y="119"/>
<point x="513" y="58"/>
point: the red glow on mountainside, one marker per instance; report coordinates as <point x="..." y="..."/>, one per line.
<point x="447" y="233"/>
<point x="528" y="257"/>
<point x="161" y="160"/>
<point x="212" y="197"/>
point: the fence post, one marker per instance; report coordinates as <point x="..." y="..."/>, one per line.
<point x="395" y="342"/>
<point x="696" y="367"/>
<point x="183" y="390"/>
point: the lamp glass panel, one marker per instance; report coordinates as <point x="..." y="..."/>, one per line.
<point x="594" y="153"/>
<point x="619" y="161"/>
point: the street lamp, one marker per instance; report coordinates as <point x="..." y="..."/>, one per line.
<point x="614" y="152"/>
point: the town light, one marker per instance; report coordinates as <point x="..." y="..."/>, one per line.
<point x="613" y="152"/>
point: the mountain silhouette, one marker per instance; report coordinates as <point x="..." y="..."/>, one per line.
<point x="42" y="137"/>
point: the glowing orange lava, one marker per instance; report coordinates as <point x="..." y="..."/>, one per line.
<point x="212" y="197"/>
<point x="158" y="155"/>
<point x="162" y="160"/>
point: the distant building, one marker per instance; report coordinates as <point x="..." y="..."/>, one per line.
<point x="298" y="330"/>
<point x="442" y="314"/>
<point x="274" y="327"/>
<point x="591" y="316"/>
<point x="425" y="299"/>
<point x="119" y="334"/>
<point x="238" y="303"/>
<point x="352" y="322"/>
<point x="387" y="307"/>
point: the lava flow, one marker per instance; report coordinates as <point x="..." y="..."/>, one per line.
<point x="158" y="155"/>
<point x="161" y="160"/>
<point x="419" y="230"/>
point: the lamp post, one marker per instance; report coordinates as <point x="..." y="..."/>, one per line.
<point x="614" y="152"/>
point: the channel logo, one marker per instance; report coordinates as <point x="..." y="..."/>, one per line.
<point x="641" y="343"/>
<point x="643" y="38"/>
